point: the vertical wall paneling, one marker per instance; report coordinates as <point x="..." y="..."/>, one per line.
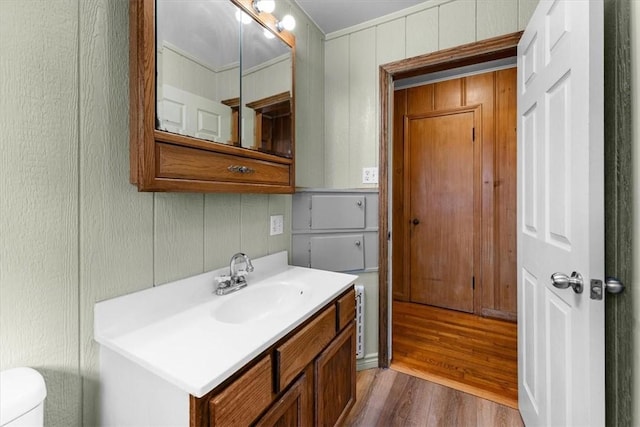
<point x="116" y="222"/>
<point x="390" y="41"/>
<point x="221" y="229"/>
<point x="336" y="112"/>
<point x="313" y="130"/>
<point x="420" y="99"/>
<point x="401" y="289"/>
<point x="309" y="92"/>
<point x="448" y="94"/>
<point x="505" y="191"/>
<point x="457" y="23"/>
<point x="525" y="10"/>
<point x="422" y="32"/>
<point x="39" y="198"/>
<point x="178" y="236"/>
<point x="480" y="89"/>
<point x="496" y="17"/>
<point x="254" y="217"/>
<point x="363" y="104"/>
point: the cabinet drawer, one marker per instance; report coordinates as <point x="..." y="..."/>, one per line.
<point x="304" y="346"/>
<point x="243" y="400"/>
<point x="346" y="309"/>
<point x="192" y="163"/>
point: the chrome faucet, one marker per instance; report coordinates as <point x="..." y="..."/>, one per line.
<point x="236" y="278"/>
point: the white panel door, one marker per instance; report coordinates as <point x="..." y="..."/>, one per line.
<point x="560" y="214"/>
<point x="186" y="113"/>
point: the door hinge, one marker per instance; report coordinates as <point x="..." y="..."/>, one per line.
<point x="473" y="134"/>
<point x="388" y="235"/>
<point x="473" y="282"/>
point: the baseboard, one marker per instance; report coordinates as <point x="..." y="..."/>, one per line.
<point x="369" y="361"/>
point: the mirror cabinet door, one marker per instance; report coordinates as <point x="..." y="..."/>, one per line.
<point x="267" y="76"/>
<point x="198" y="69"/>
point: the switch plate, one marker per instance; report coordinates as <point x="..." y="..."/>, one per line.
<point x="370" y="175"/>
<point x="276" y="225"/>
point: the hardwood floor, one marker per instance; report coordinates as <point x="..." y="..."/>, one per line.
<point x="469" y="353"/>
<point x="390" y="398"/>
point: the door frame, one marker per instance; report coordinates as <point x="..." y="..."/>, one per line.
<point x="470" y="54"/>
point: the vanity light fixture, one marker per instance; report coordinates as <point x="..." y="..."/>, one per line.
<point x="266" y="6"/>
<point x="287" y="22"/>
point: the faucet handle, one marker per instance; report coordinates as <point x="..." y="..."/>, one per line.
<point x="223" y="279"/>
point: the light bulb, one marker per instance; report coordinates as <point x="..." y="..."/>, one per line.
<point x="288" y="23"/>
<point x="266" y="6"/>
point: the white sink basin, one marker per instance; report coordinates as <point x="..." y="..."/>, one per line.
<point x="261" y="301"/>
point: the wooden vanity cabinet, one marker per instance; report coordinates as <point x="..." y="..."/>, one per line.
<point x="306" y="378"/>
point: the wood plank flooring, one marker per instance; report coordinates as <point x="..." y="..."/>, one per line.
<point x="469" y="353"/>
<point x="389" y="398"/>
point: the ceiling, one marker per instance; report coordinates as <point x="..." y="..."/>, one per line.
<point x="334" y="15"/>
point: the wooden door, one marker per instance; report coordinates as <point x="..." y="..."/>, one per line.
<point x="441" y="178"/>
<point x="561" y="214"/>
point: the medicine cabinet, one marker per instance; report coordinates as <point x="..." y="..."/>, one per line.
<point x="211" y="98"/>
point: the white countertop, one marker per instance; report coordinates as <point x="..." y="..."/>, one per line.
<point x="172" y="331"/>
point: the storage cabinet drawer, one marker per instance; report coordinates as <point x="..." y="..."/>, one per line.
<point x="192" y="163"/>
<point x="243" y="400"/>
<point x="346" y="309"/>
<point x="304" y="346"/>
<point x="337" y="211"/>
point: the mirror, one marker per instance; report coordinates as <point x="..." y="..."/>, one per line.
<point x="198" y="69"/>
<point x="222" y="77"/>
<point x="266" y="91"/>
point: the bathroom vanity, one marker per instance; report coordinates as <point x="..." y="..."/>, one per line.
<point x="279" y="352"/>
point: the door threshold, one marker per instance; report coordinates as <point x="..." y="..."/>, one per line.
<point x="456" y="385"/>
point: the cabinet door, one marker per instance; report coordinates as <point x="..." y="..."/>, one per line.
<point x="335" y="392"/>
<point x="337" y="212"/>
<point x="344" y="252"/>
<point x="292" y="409"/>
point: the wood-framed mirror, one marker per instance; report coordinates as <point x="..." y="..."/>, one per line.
<point x="203" y="79"/>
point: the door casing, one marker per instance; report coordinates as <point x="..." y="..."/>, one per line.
<point x="470" y="54"/>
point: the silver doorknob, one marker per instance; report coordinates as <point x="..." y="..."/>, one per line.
<point x="562" y="281"/>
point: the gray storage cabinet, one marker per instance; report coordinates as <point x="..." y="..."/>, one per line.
<point x="335" y="230"/>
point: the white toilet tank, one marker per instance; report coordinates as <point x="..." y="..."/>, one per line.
<point x="22" y="393"/>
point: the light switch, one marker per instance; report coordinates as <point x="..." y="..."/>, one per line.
<point x="277" y="225"/>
